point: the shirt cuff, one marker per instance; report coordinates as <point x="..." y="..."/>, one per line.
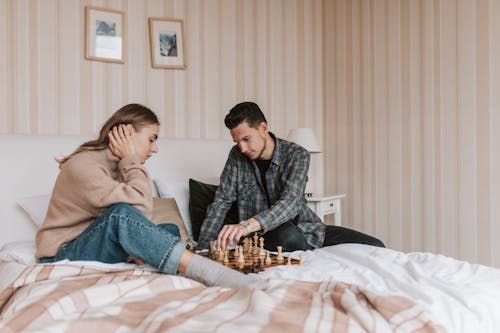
<point x="261" y="218"/>
<point x="128" y="162"/>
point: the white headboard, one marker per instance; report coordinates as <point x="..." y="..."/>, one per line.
<point x="28" y="168"/>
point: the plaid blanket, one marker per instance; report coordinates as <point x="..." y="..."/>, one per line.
<point x="76" y="298"/>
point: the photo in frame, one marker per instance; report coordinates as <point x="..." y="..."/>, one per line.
<point x="105" y="35"/>
<point x="166" y="39"/>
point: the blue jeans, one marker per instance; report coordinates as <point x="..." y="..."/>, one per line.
<point x="123" y="231"/>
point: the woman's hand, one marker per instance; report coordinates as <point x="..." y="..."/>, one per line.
<point x="134" y="260"/>
<point x="120" y="141"/>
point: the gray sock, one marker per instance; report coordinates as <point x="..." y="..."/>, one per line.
<point x="211" y="273"/>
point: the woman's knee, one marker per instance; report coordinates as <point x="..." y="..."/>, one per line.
<point x="121" y="208"/>
<point x="122" y="213"/>
<point x="122" y="217"/>
<point x="171" y="228"/>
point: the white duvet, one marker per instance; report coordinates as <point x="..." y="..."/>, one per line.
<point x="462" y="296"/>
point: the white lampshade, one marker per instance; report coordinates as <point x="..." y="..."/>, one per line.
<point x="305" y="137"/>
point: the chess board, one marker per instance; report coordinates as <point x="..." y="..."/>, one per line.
<point x="253" y="262"/>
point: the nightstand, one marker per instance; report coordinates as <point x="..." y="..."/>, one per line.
<point x="324" y="205"/>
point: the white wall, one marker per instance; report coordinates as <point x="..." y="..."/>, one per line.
<point x="267" y="51"/>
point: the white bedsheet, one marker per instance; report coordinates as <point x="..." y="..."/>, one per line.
<point x="462" y="296"/>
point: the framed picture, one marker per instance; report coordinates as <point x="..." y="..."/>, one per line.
<point x="105" y="35"/>
<point x="166" y="39"/>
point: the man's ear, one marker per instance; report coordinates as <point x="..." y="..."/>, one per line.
<point x="264" y="127"/>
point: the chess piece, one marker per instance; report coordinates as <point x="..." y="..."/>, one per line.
<point x="268" y="258"/>
<point x="236" y="251"/>
<point x="301" y="261"/>
<point x="256" y="244"/>
<point x="241" y="259"/>
<point x="226" y="258"/>
<point x="261" y="261"/>
<point x="212" y="246"/>
<point x="289" y="261"/>
<point x="280" y="255"/>
<point x="256" y="240"/>
<point x="261" y="251"/>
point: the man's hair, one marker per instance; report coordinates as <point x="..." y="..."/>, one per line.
<point x="245" y="111"/>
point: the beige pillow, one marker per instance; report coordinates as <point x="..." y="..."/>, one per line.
<point x="165" y="210"/>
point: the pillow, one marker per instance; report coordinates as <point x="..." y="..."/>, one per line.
<point x="22" y="252"/>
<point x="201" y="195"/>
<point x="165" y="210"/>
<point x="36" y="208"/>
<point x="178" y="189"/>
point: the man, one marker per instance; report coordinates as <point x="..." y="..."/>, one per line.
<point x="267" y="177"/>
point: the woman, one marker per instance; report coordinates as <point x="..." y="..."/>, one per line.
<point x="102" y="200"/>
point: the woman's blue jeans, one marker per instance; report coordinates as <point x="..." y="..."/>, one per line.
<point x="123" y="231"/>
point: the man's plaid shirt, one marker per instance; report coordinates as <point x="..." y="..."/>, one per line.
<point x="286" y="180"/>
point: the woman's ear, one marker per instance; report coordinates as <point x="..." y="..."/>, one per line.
<point x="129" y="129"/>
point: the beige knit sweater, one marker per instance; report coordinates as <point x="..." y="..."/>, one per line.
<point x="87" y="184"/>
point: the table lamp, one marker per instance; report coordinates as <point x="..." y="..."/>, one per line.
<point x="306" y="138"/>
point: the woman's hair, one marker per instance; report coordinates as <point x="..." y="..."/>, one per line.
<point x="136" y="115"/>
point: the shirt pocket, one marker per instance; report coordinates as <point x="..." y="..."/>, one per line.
<point x="247" y="190"/>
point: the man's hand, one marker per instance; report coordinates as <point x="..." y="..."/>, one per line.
<point x="230" y="235"/>
<point x="120" y="141"/>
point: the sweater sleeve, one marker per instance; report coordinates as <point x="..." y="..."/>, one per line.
<point x="100" y="189"/>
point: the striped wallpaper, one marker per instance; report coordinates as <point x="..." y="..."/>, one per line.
<point x="412" y="112"/>
<point x="269" y="51"/>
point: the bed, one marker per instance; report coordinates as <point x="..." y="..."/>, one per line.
<point x="345" y="288"/>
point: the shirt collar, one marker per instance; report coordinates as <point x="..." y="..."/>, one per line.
<point x="278" y="149"/>
<point x="277" y="152"/>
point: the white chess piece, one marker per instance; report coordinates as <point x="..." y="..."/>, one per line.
<point x="261" y="251"/>
<point x="268" y="258"/>
<point x="241" y="258"/>
<point x="280" y="255"/>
